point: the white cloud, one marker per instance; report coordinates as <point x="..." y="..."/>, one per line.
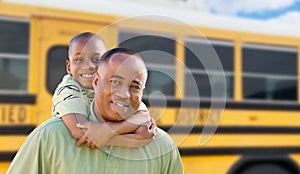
<point x="290" y="18"/>
<point x="232" y="7"/>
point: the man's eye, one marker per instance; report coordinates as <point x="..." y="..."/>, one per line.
<point x="136" y="88"/>
<point x="115" y="82"/>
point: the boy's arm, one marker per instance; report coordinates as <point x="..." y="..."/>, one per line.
<point x="141" y="137"/>
<point x="70" y="105"/>
<point x="131" y="124"/>
<point x="99" y="133"/>
<point x="71" y="120"/>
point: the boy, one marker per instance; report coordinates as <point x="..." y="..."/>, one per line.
<point x="74" y="94"/>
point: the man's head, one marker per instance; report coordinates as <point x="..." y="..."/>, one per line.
<point x="119" y="84"/>
<point x="85" y="50"/>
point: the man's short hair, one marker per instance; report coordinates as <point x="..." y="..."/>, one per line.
<point x="108" y="54"/>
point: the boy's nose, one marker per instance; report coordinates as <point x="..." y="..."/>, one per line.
<point x="89" y="64"/>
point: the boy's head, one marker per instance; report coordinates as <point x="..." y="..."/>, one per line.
<point x="85" y="50"/>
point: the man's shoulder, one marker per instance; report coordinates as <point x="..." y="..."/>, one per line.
<point x="164" y="139"/>
<point x="51" y="122"/>
<point x="54" y="124"/>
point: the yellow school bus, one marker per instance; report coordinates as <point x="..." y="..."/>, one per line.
<point x="227" y="91"/>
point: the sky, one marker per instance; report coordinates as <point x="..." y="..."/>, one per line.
<point x="277" y="11"/>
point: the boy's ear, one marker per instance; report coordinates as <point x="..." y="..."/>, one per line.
<point x="68" y="66"/>
<point x="96" y="79"/>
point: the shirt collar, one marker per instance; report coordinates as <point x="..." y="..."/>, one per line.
<point x="92" y="115"/>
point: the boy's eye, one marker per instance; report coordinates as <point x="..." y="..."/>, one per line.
<point x="79" y="59"/>
<point x="96" y="60"/>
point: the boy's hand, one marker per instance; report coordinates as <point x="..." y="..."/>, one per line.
<point x="95" y="133"/>
<point x="84" y="139"/>
<point x="141" y="137"/>
<point x="139" y="118"/>
<point x="147" y="131"/>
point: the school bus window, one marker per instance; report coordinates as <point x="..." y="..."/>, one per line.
<point x="13" y="74"/>
<point x="14" y="40"/>
<point x="161" y="82"/>
<point x="56" y="66"/>
<point x="201" y="83"/>
<point x="204" y="78"/>
<point x="269" y="72"/>
<point x="14" y="36"/>
<point x="158" y="52"/>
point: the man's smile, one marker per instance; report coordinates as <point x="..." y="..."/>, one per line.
<point x="120" y="104"/>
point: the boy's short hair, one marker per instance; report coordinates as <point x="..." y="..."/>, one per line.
<point x="84" y="35"/>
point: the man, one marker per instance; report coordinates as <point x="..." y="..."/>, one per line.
<point x="118" y="86"/>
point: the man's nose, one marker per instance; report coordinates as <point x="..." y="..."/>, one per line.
<point x="123" y="92"/>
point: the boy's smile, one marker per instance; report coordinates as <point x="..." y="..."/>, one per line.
<point x="86" y="75"/>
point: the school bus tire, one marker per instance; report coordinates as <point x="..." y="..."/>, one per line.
<point x="265" y="168"/>
<point x="265" y="165"/>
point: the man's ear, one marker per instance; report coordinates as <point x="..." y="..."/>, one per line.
<point x="68" y="66"/>
<point x="96" y="79"/>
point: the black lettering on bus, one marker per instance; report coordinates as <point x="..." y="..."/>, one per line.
<point x="3" y="114"/>
<point x="203" y="115"/>
<point x="214" y="117"/>
<point x="22" y="114"/>
<point x="11" y="114"/>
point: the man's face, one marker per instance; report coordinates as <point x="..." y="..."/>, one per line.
<point x="84" y="56"/>
<point x="119" y="86"/>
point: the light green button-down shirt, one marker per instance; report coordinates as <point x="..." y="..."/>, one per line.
<point x="50" y="149"/>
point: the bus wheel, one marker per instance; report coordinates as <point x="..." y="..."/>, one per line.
<point x="264" y="168"/>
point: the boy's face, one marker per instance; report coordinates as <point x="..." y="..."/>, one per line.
<point x="119" y="87"/>
<point x="84" y="56"/>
